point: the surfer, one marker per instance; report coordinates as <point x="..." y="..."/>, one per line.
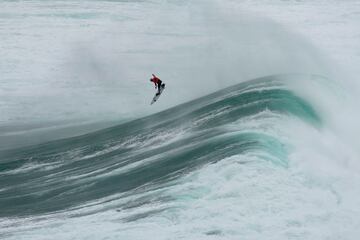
<point x="158" y="83"/>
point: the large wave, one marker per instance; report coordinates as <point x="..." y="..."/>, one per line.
<point x="151" y="151"/>
<point x="266" y="158"/>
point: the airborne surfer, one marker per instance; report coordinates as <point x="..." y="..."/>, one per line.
<point x="158" y="83"/>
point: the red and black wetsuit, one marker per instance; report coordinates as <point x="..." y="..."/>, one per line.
<point x="156" y="81"/>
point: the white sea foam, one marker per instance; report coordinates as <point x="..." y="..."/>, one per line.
<point x="314" y="197"/>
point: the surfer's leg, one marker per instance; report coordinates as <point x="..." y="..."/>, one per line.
<point x="158" y="92"/>
<point x="159" y="87"/>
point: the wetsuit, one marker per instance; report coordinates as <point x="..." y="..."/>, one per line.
<point x="157" y="82"/>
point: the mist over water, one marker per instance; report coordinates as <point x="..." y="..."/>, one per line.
<point x="95" y="62"/>
<point x="89" y="64"/>
<point x="275" y="156"/>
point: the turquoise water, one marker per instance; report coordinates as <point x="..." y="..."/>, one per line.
<point x="223" y="154"/>
<point x="150" y="151"/>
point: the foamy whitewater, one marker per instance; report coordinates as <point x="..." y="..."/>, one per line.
<point x="255" y="136"/>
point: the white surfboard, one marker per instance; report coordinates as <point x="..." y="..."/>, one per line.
<point x="157" y="95"/>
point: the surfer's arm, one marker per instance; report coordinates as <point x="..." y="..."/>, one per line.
<point x="155" y="77"/>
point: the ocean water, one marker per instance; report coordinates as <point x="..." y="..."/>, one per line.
<point x="255" y="136"/>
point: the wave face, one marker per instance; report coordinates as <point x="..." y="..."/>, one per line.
<point x="150" y="154"/>
<point x="270" y="158"/>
